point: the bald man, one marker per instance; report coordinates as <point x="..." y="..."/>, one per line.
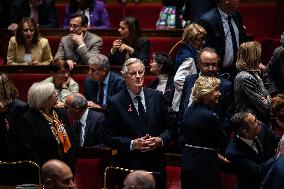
<point x="139" y="180"/>
<point x="57" y="175"/>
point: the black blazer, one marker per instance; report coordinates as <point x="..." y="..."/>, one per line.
<point x="38" y="142"/>
<point x="169" y="90"/>
<point x="142" y="52"/>
<point x="225" y="108"/>
<point x="94" y="126"/>
<point x="123" y="124"/>
<point x="212" y="23"/>
<point x="250" y="167"/>
<point x="47" y="17"/>
<point x="91" y="87"/>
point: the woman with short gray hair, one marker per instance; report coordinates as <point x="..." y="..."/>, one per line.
<point x="44" y="127"/>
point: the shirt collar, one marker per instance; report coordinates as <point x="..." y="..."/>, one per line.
<point x="224" y="15"/>
<point x="106" y="79"/>
<point x="83" y="119"/>
<point x="247" y="141"/>
<point x="133" y="96"/>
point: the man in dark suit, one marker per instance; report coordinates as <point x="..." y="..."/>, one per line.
<point x="225" y="30"/>
<point x="275" y="177"/>
<point x="207" y="61"/>
<point x="251" y="151"/>
<point x="42" y="11"/>
<point x="88" y="124"/>
<point x="137" y="124"/>
<point x="102" y="83"/>
<point x="79" y="45"/>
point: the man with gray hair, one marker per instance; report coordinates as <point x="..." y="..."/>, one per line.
<point x="102" y="83"/>
<point x="274" y="73"/>
<point x="137" y="124"/>
<point x="57" y="175"/>
<point x="88" y="124"/>
<point x="139" y="180"/>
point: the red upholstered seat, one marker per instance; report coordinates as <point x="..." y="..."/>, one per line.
<point x="163" y="44"/>
<point x="115" y="12"/>
<point x="173" y="177"/>
<point x="140" y="11"/>
<point x="229" y="180"/>
<point x="54" y="43"/>
<point x="268" y="45"/>
<point x="60" y="10"/>
<point x="260" y="19"/>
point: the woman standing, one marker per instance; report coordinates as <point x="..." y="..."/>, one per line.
<point x="27" y="47"/>
<point x="250" y="93"/>
<point x="201" y="137"/>
<point x="131" y="44"/>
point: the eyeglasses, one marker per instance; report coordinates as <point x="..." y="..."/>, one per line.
<point x="136" y="74"/>
<point x="74" y="26"/>
<point x="63" y="72"/>
<point x="28" y="30"/>
<point x="206" y="65"/>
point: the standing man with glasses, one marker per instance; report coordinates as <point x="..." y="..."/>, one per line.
<point x="102" y="83"/>
<point x="62" y="81"/>
<point x="77" y="47"/>
<point x="207" y="61"/>
<point x="137" y="124"/>
<point x="226" y="33"/>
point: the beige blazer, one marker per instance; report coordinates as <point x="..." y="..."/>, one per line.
<point x="40" y="51"/>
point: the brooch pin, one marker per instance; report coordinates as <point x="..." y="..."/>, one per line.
<point x="129" y="108"/>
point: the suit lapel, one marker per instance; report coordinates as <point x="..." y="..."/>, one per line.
<point x="88" y="122"/>
<point x="149" y="107"/>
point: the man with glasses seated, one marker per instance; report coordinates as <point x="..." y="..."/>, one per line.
<point x="63" y="83"/>
<point x="207" y="61"/>
<point x="137" y="124"/>
<point x="102" y="83"/>
<point x="77" y="47"/>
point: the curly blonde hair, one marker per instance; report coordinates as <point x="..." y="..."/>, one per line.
<point x="192" y="33"/>
<point x="203" y="86"/>
<point x="8" y="91"/>
<point x="277" y="104"/>
<point x="249" y="56"/>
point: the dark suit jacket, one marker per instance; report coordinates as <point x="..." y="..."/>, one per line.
<point x="91" y="87"/>
<point x="275" y="177"/>
<point x="123" y="124"/>
<point x="225" y="108"/>
<point x="38" y="142"/>
<point x="212" y="22"/>
<point x="9" y="143"/>
<point x="169" y="91"/>
<point x="200" y="127"/>
<point x="94" y="126"/>
<point x="250" y="167"/>
<point x="47" y="17"/>
<point x="142" y="52"/>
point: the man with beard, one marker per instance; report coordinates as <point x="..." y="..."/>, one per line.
<point x="207" y="61"/>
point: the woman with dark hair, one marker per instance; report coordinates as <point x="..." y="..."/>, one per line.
<point x="93" y="9"/>
<point x="28" y="47"/>
<point x="163" y="67"/>
<point x="131" y="44"/>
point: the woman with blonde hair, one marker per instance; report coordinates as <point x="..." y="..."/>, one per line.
<point x="201" y="137"/>
<point x="192" y="41"/>
<point x="250" y="93"/>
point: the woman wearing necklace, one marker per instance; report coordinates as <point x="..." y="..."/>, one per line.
<point x="27" y="47"/>
<point x="44" y="130"/>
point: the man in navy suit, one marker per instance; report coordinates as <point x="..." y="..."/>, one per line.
<point x="88" y="124"/>
<point x="251" y="151"/>
<point x="102" y="83"/>
<point x="137" y="124"/>
<point x="275" y="177"/>
<point x="207" y="61"/>
<point x="225" y="30"/>
<point x="42" y="11"/>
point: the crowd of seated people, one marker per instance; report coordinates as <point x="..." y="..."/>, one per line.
<point x="119" y="112"/>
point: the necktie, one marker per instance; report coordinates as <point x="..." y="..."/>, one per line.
<point x="141" y="110"/>
<point x="258" y="146"/>
<point x="81" y="134"/>
<point x="234" y="41"/>
<point x="101" y="96"/>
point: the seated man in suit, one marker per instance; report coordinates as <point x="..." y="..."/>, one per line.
<point x="88" y="124"/>
<point x="79" y="45"/>
<point x="102" y="83"/>
<point x="63" y="83"/>
<point x="57" y="175"/>
<point x="137" y="124"/>
<point x="251" y="151"/>
<point x="207" y="60"/>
